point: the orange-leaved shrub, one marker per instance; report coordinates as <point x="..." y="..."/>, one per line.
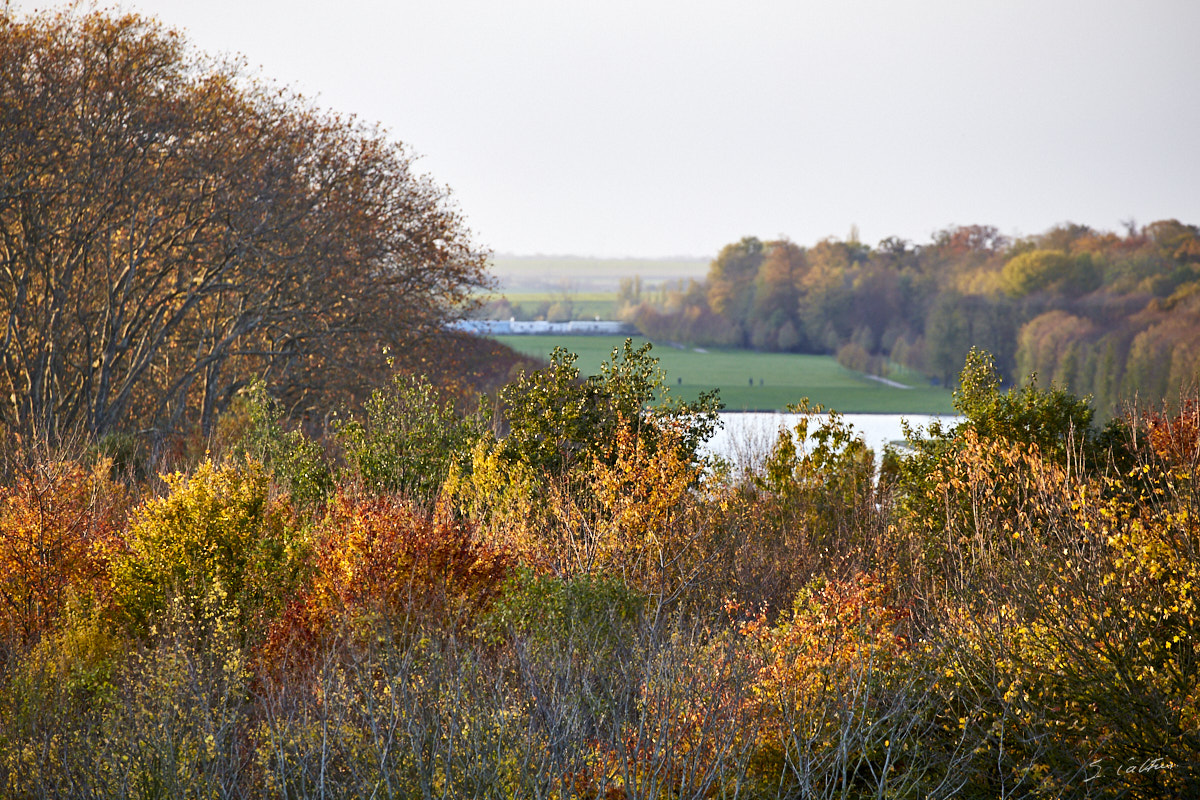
<point x="58" y="521"/>
<point x="847" y="703"/>
<point x="383" y="560"/>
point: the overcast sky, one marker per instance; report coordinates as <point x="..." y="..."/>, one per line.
<point x="655" y="128"/>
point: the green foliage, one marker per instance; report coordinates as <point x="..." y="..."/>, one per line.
<point x="1052" y="419"/>
<point x="820" y="477"/>
<point x="779" y="378"/>
<point x="296" y="461"/>
<point x="410" y="440"/>
<point x="558" y="421"/>
<point x="731" y="281"/>
<point x="591" y="613"/>
<point x="75" y="664"/>
<point x="124" y="452"/>
<point x="552" y="415"/>
<point x="576" y="644"/>
<point x="1049" y="270"/>
<point x="957" y="323"/>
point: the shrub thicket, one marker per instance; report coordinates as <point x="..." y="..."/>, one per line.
<point x="584" y="607"/>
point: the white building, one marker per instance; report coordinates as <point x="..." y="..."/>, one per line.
<point x="578" y="327"/>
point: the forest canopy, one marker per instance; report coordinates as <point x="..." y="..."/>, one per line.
<point x="171" y="228"/>
<point x="1102" y="314"/>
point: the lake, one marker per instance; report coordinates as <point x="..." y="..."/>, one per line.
<point x="745" y="438"/>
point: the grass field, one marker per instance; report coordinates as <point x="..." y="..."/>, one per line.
<point x="779" y="378"/>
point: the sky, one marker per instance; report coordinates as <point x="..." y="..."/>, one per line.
<point x="655" y="128"/>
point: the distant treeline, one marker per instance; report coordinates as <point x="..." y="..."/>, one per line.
<point x="1108" y="315"/>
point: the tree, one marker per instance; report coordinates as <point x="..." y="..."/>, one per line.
<point x="58" y="519"/>
<point x="1052" y="419"/>
<point x="776" y="297"/>
<point x="558" y="421"/>
<point x="969" y="241"/>
<point x="217" y="533"/>
<point x="409" y="439"/>
<point x="825" y="293"/>
<point x="1177" y="240"/>
<point x="1045" y="340"/>
<point x="169" y="228"/>
<point x="731" y="280"/>
<point x="1040" y="270"/>
<point x="956" y="324"/>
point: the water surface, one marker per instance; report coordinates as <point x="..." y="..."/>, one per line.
<point x="746" y="437"/>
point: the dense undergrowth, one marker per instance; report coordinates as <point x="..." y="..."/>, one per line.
<point x="561" y="599"/>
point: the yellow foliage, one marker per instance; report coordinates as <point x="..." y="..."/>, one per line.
<point x="214" y="527"/>
<point x="500" y="495"/>
<point x="643" y="532"/>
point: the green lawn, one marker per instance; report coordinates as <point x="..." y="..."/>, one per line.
<point x="779" y="378"/>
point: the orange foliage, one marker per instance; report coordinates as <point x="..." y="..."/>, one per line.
<point x="837" y="632"/>
<point x="1175" y="438"/>
<point x="58" y="520"/>
<point x="384" y="558"/>
<point x="646" y="498"/>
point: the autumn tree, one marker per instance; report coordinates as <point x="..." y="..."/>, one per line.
<point x="58" y="520"/>
<point x="776" y="326"/>
<point x="1040" y="270"/>
<point x="170" y="228"/>
<point x="731" y="278"/>
<point x="956" y="324"/>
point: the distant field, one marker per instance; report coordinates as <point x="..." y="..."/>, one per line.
<point x="584" y="305"/>
<point x="550" y="273"/>
<point x="779" y="378"/>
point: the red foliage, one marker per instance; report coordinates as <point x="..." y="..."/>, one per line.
<point x="382" y="558"/>
<point x="1175" y="437"/>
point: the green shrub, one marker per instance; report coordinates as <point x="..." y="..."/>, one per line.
<point x="588" y="609"/>
<point x="297" y="462"/>
<point x="557" y="421"/>
<point x="409" y="440"/>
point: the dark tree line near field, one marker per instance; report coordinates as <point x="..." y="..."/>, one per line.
<point x="171" y="228"/>
<point x="1103" y="314"/>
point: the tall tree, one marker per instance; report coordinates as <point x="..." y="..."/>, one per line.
<point x="169" y="228"/>
<point x="776" y="297"/>
<point x="731" y="281"/>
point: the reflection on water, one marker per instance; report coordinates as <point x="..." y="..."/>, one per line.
<point x="744" y="439"/>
